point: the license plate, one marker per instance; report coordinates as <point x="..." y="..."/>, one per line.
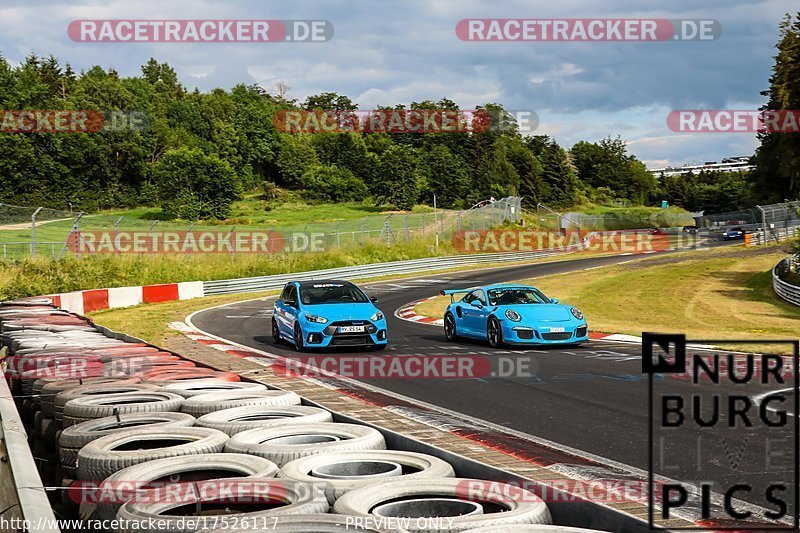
<point x="351" y="329"/>
<point x="557" y="330"/>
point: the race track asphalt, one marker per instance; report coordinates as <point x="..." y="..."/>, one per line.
<point x="592" y="398"/>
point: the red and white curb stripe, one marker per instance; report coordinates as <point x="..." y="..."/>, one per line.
<point x="82" y="302"/>
<point x="212" y="342"/>
<point x="407" y="313"/>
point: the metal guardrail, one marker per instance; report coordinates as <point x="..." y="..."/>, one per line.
<point x="31" y="496"/>
<point x="777" y="235"/>
<point x="265" y="283"/>
<point x="787" y="291"/>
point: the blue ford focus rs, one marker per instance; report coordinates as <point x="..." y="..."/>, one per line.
<point x="512" y="314"/>
<point x="327" y="313"/>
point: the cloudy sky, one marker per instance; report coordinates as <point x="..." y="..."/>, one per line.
<point x="398" y="51"/>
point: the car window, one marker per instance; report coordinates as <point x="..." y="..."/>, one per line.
<point x="285" y="293"/>
<point x="480" y="296"/>
<point x="517" y="296"/>
<point x="291" y="295"/>
<point x="331" y="293"/>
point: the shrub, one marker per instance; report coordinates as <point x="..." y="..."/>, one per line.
<point x="332" y="183"/>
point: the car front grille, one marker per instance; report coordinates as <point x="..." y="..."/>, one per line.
<point x="350" y="339"/>
<point x="556" y="336"/>
<point x="332" y="327"/>
<point x="525" y="334"/>
<point x="581" y="331"/>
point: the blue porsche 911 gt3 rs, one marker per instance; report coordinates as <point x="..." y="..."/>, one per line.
<point x="327" y="313"/>
<point x="512" y="314"/>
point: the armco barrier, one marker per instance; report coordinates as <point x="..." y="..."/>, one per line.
<point x="264" y="283"/>
<point x="787" y="291"/>
<point x="82" y="302"/>
<point x="33" y="505"/>
<point x="774" y="235"/>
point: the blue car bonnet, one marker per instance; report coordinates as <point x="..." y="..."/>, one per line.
<point x="342" y="311"/>
<point x="540" y="312"/>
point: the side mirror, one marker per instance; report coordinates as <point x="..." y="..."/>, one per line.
<point x="477" y="304"/>
<point x="554" y="300"/>
<point x="373" y="299"/>
<point x="290" y="303"/>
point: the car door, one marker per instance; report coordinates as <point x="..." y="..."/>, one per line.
<point x="286" y="310"/>
<point x="475" y="313"/>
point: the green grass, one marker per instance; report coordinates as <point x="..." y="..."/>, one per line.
<point x="719" y="295"/>
<point x="150" y="322"/>
<point x="352" y="220"/>
<point x="40" y="275"/>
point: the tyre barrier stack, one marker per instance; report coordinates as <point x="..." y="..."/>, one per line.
<point x="135" y="434"/>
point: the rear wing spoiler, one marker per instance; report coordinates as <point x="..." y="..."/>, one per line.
<point x="452" y="292"/>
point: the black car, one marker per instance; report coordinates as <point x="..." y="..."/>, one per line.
<point x="733" y="233"/>
<point x="691" y="229"/>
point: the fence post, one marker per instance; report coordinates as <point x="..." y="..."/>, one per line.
<point x="388" y="229"/>
<point x="423" y="225"/>
<point x="336" y="229"/>
<point x="232" y="234"/>
<point x="362" y="229"/>
<point x="116" y="232"/>
<point x="75" y="230"/>
<point x="406" y="227"/>
<point x="435" y="222"/>
<point x="150" y="236"/>
<point x="33" y="231"/>
<point x="763" y="222"/>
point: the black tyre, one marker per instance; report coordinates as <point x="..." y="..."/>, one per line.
<point x="299" y="340"/>
<point x="450" y="327"/>
<point x="154" y="511"/>
<point x="276" y="335"/>
<point x="494" y="333"/>
<point x="121" y="449"/>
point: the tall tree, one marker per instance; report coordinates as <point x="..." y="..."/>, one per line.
<point x="777" y="160"/>
<point x="397" y="178"/>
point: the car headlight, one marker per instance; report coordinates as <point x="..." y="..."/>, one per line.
<point x="316" y="319"/>
<point x="513" y="315"/>
<point x="377" y="316"/>
<point x="576" y="313"/>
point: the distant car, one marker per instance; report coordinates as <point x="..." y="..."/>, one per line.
<point x="733" y="233"/>
<point x="327" y="313"/>
<point x="691" y="229"/>
<point x="656" y="231"/>
<point x="512" y="314"/>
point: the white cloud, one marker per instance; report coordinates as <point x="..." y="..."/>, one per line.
<point x="398" y="51"/>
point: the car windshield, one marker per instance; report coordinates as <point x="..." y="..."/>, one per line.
<point x="517" y="296"/>
<point x="331" y="293"/>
